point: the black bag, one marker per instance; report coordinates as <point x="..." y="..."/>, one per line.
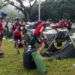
<point x="61" y="36"/>
<point x="28" y="61"/>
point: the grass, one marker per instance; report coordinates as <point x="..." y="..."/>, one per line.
<point x="11" y="64"/>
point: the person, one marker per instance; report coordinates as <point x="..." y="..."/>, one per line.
<point x="1" y="35"/>
<point x="60" y="24"/>
<point x="25" y="36"/>
<point x="17" y="34"/>
<point x="17" y="38"/>
<point x="69" y="24"/>
<point x="16" y="24"/>
<point x="39" y="28"/>
<point x="63" y="23"/>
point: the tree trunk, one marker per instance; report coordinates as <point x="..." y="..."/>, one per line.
<point x="26" y="15"/>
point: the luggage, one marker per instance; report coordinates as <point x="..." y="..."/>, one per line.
<point x="28" y="61"/>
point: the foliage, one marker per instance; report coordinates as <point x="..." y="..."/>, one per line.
<point x="56" y="9"/>
<point x="2" y="4"/>
<point x="50" y="9"/>
<point x="26" y="11"/>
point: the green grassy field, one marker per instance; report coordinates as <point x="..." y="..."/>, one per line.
<point x="11" y="64"/>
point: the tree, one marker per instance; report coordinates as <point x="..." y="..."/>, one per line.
<point x="21" y="7"/>
<point x="2" y="4"/>
<point x="57" y="9"/>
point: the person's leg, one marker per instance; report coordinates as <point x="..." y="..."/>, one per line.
<point x="17" y="47"/>
<point x="1" y="39"/>
<point x="0" y="44"/>
<point x="1" y="48"/>
<point x="16" y="44"/>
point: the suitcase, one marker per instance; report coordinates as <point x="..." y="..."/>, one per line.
<point x="28" y="61"/>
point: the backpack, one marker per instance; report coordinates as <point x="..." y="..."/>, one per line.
<point x="28" y="61"/>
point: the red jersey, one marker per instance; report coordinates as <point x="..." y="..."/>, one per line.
<point x="17" y="32"/>
<point x="62" y="24"/>
<point x="39" y="29"/>
<point x="16" y="29"/>
<point x="15" y="26"/>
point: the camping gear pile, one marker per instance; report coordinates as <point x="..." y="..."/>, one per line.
<point x="58" y="43"/>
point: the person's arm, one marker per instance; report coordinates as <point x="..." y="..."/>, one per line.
<point x="40" y="49"/>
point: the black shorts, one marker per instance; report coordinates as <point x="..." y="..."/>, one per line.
<point x="17" y="39"/>
<point x="1" y="35"/>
